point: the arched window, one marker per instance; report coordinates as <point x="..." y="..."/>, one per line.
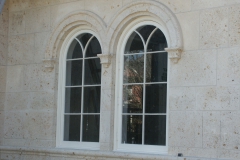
<point x="82" y="92"/>
<point x="143" y="103"/>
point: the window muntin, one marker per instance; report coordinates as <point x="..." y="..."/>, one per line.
<point x="144" y="86"/>
<point x="82" y="90"/>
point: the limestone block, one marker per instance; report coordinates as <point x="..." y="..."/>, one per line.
<point x="204" y="153"/>
<point x="105" y="146"/>
<point x="13" y="142"/>
<point x="39" y="125"/>
<point x="103" y="8"/>
<point x="3" y="75"/>
<point x="214" y="28"/>
<point x="17" y="22"/>
<point x="106" y="100"/>
<point x="182" y="98"/>
<point x="202" y="4"/>
<point x="105" y="129"/>
<point x="1" y="126"/>
<point x="177" y="6"/>
<point x="190" y="29"/>
<point x="36" y="157"/>
<point x="107" y="74"/>
<point x="195" y="68"/>
<point x="229" y="154"/>
<point x="40" y="143"/>
<point x="18" y="5"/>
<point x="21" y="49"/>
<point x="185" y="128"/>
<point x="217" y="98"/>
<point x="41" y="101"/>
<point x="234" y="23"/>
<point x="2" y="101"/>
<point x="3" y="49"/>
<point x="17" y="101"/>
<point x="14" y="124"/>
<point x="61" y="10"/>
<point x="228" y="65"/>
<point x="11" y="156"/>
<point x="37" y="79"/>
<point x="230" y="130"/>
<point x="4" y="19"/>
<point x="41" y="40"/>
<point x="6" y="7"/>
<point x="15" y="78"/>
<point x="38" y="19"/>
<point x="211" y="129"/>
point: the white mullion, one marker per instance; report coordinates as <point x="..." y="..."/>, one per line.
<point x="97" y="85"/>
<point x="83" y="77"/>
<point x="80" y="44"/>
<point x="76" y="59"/>
<point x="82" y="96"/>
<point x="150" y="36"/>
<point x="148" y="114"/>
<point x="144" y="89"/>
<point x="157" y="52"/>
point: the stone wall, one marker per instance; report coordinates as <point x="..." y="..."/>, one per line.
<point x="3" y="64"/>
<point x="204" y="92"/>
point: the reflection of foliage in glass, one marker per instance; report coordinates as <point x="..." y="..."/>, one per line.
<point x="134" y="68"/>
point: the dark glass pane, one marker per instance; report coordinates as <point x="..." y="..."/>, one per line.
<point x="73" y="100"/>
<point x="92" y="71"/>
<point x="72" y="128"/>
<point x="157" y="42"/>
<point x="133" y="68"/>
<point x="90" y="128"/>
<point x="155" y="130"/>
<point x="92" y="99"/>
<point x="134" y="44"/>
<point x="132" y="129"/>
<point x="145" y="31"/>
<point x="93" y="48"/>
<point x="75" y="50"/>
<point x="74" y="73"/>
<point x="133" y="99"/>
<point x="156" y="98"/>
<point x="83" y="38"/>
<point x="156" y="67"/>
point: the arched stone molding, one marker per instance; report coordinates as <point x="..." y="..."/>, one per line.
<point x="147" y="10"/>
<point x="83" y="19"/>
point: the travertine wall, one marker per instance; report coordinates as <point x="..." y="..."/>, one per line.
<point x="204" y="93"/>
<point x="3" y="64"/>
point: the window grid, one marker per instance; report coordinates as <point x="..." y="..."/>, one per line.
<point x="145" y="53"/>
<point x="81" y="114"/>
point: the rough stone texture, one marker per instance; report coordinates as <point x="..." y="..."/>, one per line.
<point x="203" y="95"/>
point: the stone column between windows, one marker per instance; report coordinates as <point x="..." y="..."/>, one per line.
<point x="107" y="103"/>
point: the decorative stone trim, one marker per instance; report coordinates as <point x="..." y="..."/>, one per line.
<point x="49" y="64"/>
<point x="105" y="59"/>
<point x="174" y="54"/>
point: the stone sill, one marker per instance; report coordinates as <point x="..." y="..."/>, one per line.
<point x="73" y="153"/>
<point x="59" y="152"/>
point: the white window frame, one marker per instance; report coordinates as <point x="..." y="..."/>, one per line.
<point x="60" y="143"/>
<point x="118" y="146"/>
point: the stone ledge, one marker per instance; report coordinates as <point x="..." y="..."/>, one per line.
<point x="59" y="152"/>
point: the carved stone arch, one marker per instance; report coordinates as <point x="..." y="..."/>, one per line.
<point x="147" y="10"/>
<point x="83" y="19"/>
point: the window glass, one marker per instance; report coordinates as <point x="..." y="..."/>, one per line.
<point x="144" y="89"/>
<point x="82" y="90"/>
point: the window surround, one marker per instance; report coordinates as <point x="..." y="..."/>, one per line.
<point x="61" y="90"/>
<point x="118" y="95"/>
